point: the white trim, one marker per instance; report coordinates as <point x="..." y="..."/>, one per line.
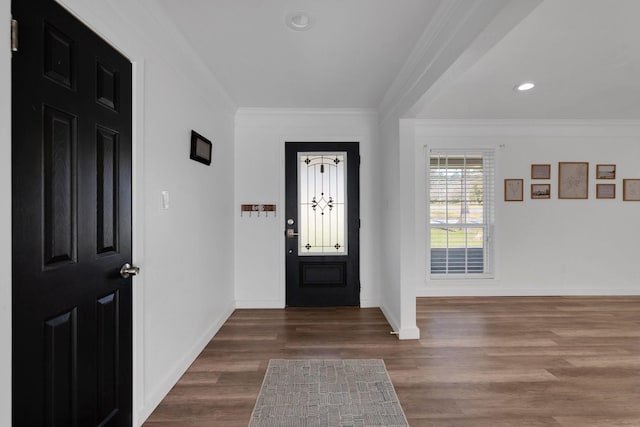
<point x="137" y="224"/>
<point x="246" y="117"/>
<point x="249" y="303"/>
<point x="513" y="127"/>
<point x="505" y="20"/>
<point x="370" y="303"/>
<point x="497" y="123"/>
<point x="262" y="111"/>
<point x="412" y="333"/>
<point x="406" y="79"/>
<point x="452" y="33"/>
<point x="393" y="322"/>
<point x="489" y="156"/>
<point x="180" y="367"/>
<point x="175" y="46"/>
<point x="409" y="333"/>
<point x="468" y="289"/>
<point x="6" y="284"/>
<point x="280" y="303"/>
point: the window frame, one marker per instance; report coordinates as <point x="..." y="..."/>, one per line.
<point x="489" y="207"/>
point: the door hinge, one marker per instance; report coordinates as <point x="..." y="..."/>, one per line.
<point x="359" y="223"/>
<point x="14" y="35"/>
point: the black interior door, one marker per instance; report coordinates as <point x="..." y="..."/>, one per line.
<point x="71" y="198"/>
<point x="322" y="224"/>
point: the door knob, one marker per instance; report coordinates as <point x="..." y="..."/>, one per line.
<point x="129" y="270"/>
<point x="290" y="233"/>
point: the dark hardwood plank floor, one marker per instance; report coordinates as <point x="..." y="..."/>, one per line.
<point x="481" y="362"/>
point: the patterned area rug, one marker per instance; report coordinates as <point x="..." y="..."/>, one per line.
<point x="327" y="393"/>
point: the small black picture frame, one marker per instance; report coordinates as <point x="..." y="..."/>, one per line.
<point x="200" y="148"/>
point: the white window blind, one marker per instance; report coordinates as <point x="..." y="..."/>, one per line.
<point x="461" y="213"/>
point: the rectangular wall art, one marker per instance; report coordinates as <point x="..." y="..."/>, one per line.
<point x="605" y="171"/>
<point x="631" y="190"/>
<point x="201" y="148"/>
<point x="573" y="180"/>
<point x="605" y="191"/>
<point x="513" y="189"/>
<point x="540" y="171"/>
<point x="540" y="191"/>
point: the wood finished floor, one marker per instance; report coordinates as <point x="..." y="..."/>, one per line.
<point x="481" y="362"/>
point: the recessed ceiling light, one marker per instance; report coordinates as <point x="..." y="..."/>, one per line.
<point x="525" y="86"/>
<point x="299" y="21"/>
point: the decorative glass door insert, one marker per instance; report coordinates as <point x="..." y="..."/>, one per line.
<point x="322" y="210"/>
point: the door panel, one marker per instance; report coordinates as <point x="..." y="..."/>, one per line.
<point x="60" y="168"/>
<point x="61" y="364"/>
<point x="322" y="221"/>
<point x="107" y="183"/>
<point x="71" y="200"/>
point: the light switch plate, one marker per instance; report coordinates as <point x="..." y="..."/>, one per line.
<point x="164" y="200"/>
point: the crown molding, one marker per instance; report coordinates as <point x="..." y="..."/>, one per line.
<point x="121" y="24"/>
<point x="525" y="127"/>
<point x="527" y="122"/>
<point x="306" y="111"/>
<point x="250" y="112"/>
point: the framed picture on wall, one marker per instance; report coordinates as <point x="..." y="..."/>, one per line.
<point x="540" y="191"/>
<point x="201" y="148"/>
<point x="631" y="190"/>
<point x="540" y="171"/>
<point x="513" y="190"/>
<point x="605" y="191"/>
<point x="573" y="180"/>
<point x="605" y="171"/>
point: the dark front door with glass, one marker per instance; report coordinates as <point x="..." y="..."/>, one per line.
<point x="322" y="224"/>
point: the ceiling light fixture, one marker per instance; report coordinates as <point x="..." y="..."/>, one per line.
<point x="299" y="21"/>
<point x="522" y="87"/>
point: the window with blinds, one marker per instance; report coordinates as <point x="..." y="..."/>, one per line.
<point x="461" y="204"/>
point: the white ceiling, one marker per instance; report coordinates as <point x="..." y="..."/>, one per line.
<point x="584" y="56"/>
<point x="348" y="59"/>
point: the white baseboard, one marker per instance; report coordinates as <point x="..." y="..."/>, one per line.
<point x="412" y="333"/>
<point x="393" y="322"/>
<point x="369" y="303"/>
<point x="259" y="303"/>
<point x="409" y="333"/>
<point x="155" y="397"/>
<point x="366" y="303"/>
<point x="529" y="291"/>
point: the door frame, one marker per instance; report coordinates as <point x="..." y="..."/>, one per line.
<point x="103" y="29"/>
<point x="6" y="285"/>
<point x="282" y="197"/>
<point x="351" y="259"/>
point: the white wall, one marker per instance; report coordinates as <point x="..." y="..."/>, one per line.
<point x="390" y="209"/>
<point x="398" y="261"/>
<point x="547" y="247"/>
<point x="5" y="216"/>
<point x="188" y="259"/>
<point x="259" y="178"/>
<point x="185" y="290"/>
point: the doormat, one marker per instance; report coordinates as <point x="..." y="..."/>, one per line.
<point x="327" y="393"/>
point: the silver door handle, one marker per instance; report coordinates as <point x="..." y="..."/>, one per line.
<point x="129" y="270"/>
<point x="290" y="233"/>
